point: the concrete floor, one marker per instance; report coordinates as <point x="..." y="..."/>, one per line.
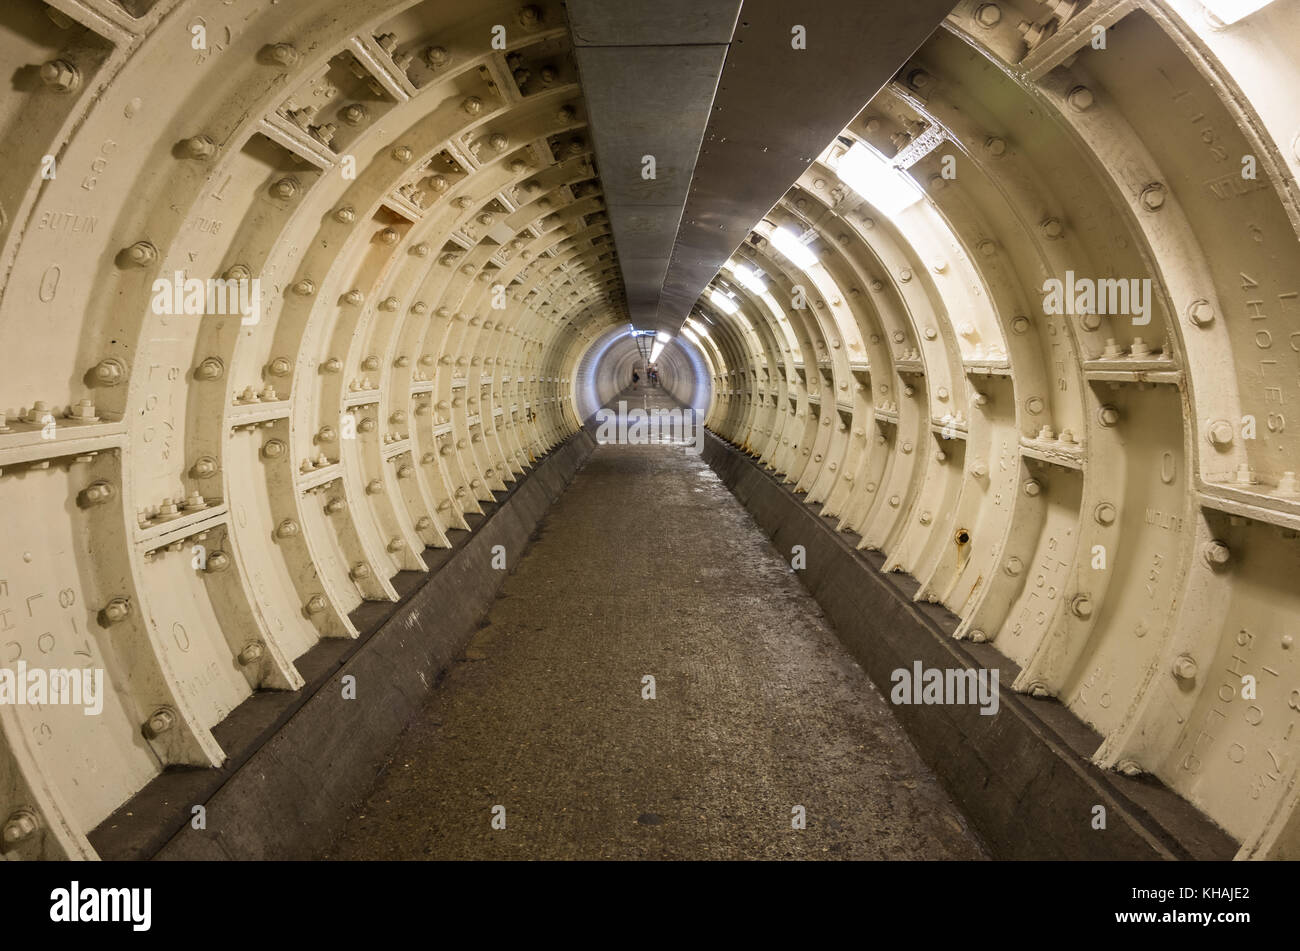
<point x="647" y="565"/>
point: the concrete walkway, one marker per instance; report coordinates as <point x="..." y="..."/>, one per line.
<point x="647" y="565"/>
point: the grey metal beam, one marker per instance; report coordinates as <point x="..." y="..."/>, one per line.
<point x="649" y="71"/>
<point x="776" y="108"/>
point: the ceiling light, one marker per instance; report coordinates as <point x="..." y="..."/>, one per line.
<point x="749" y="278"/>
<point x="723" y="301"/>
<point x="656" y="350"/>
<point x="789" y="244"/>
<point x="698" y="327"/>
<point x="1229" y="12"/>
<point x="869" y="174"/>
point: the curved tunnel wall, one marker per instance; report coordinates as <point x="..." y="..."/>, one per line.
<point x="192" y="500"/>
<point x="1107" y="495"/>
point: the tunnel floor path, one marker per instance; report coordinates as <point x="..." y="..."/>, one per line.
<point x="649" y="566"/>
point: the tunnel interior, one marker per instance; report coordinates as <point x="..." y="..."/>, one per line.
<point x="298" y="296"/>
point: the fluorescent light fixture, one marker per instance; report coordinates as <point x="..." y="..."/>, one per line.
<point x="723" y="301"/>
<point x="1229" y="12"/>
<point x="698" y="327"/>
<point x="656" y="350"/>
<point x="788" y="243"/>
<point x="869" y="174"/>
<point x="749" y="279"/>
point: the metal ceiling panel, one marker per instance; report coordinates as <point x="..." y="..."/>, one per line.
<point x="650" y="70"/>
<point x="745" y="164"/>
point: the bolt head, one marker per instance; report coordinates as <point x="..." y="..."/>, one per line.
<point x="1216" y="553"/>
<point x="1081" y="99"/>
<point x="1184" y="667"/>
<point x="988" y="15"/>
<point x="1201" y="313"/>
<point x="19" y="826"/>
<point x="1220" y="433"/>
<point x="1153" y="197"/>
<point x="160" y="722"/>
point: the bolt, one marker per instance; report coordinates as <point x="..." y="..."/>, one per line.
<point x="1215" y="553"/>
<point x="200" y="147"/>
<point x="360" y="571"/>
<point x="1185" y="667"/>
<point x="346" y="215"/>
<point x="97" y="493"/>
<point x="1105" y="513"/>
<point x="1200" y="312"/>
<point x="1081" y="606"/>
<point x="1035" y="405"/>
<point x="1019" y="325"/>
<point x="217" y="561"/>
<point x="21" y="824"/>
<point x="251" y="653"/>
<point x="1052" y="228"/>
<point x="437" y="57"/>
<point x="374" y="487"/>
<point x="988" y="15"/>
<point x="1013" y="566"/>
<point x="286" y="187"/>
<point x="117" y="610"/>
<point x="280" y="366"/>
<point x="286" y="529"/>
<point x="210" y="369"/>
<point x="403" y="153"/>
<point x="1220" y="433"/>
<point x="1033" y="487"/>
<point x="334" y="506"/>
<point x="315" y="604"/>
<point x="354" y="297"/>
<point x="141" y="254"/>
<point x="332" y="365"/>
<point x="60" y="75"/>
<point x="159" y="722"/>
<point x="1153" y="196"/>
<point x="1108" y="415"/>
<point x="1080" y="99"/>
<point x="473" y="105"/>
<point x="284" y="54"/>
<point x="109" y="372"/>
<point x="274" y="449"/>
